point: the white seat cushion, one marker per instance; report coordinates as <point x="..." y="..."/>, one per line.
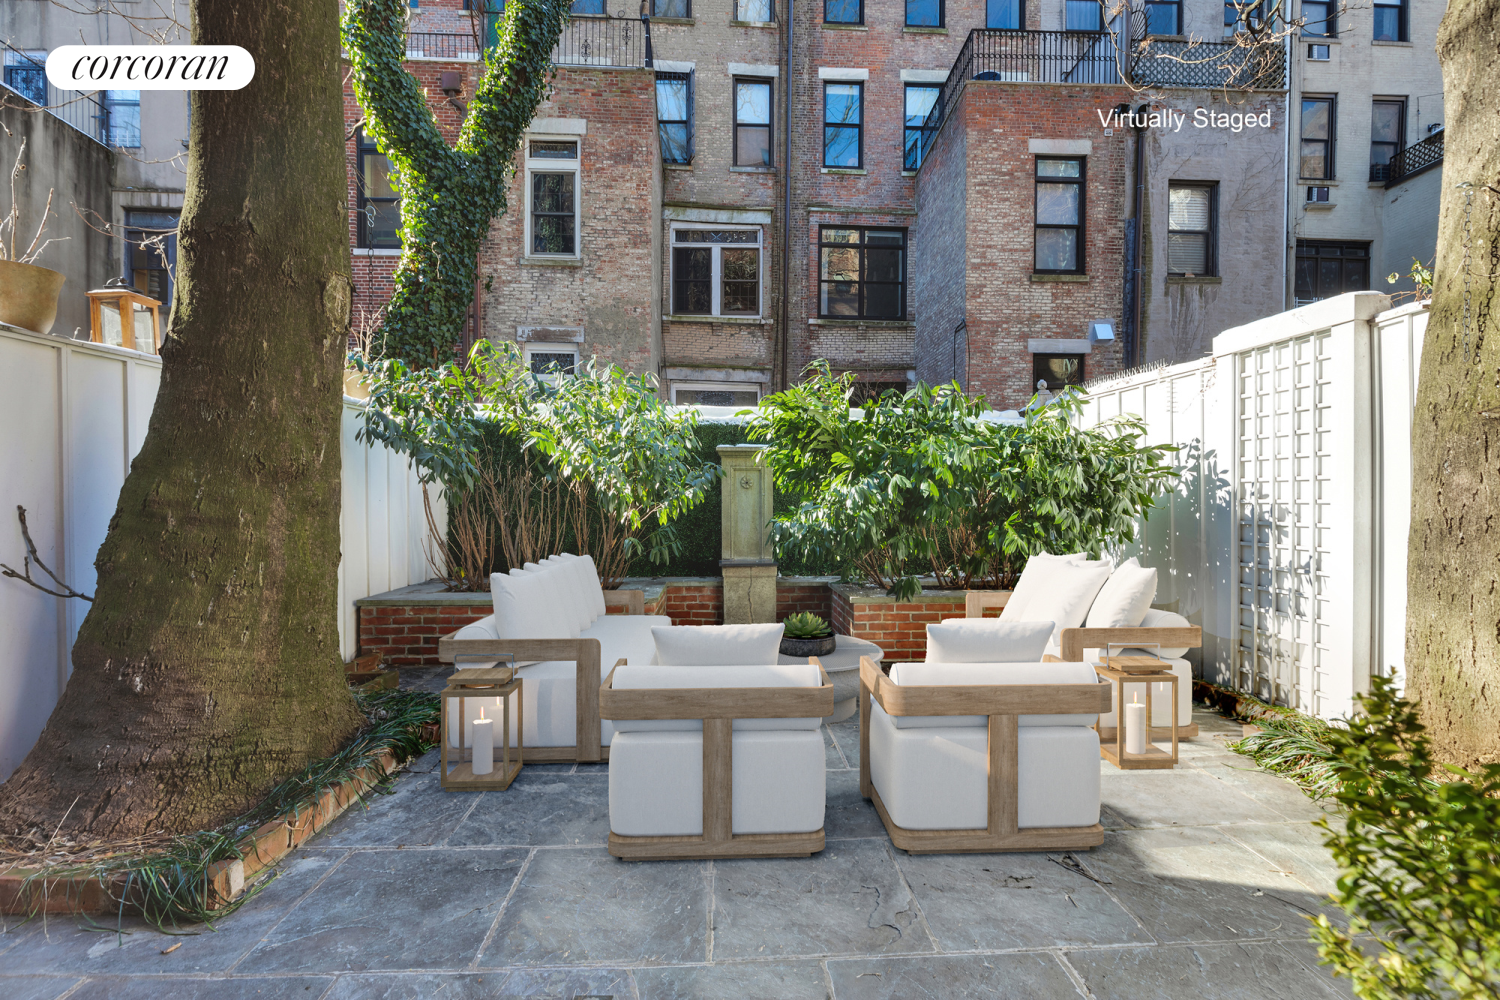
<point x="717" y="645"/>
<point x="791" y="675"/>
<point x="656" y="783"/>
<point x="987" y="640"/>
<point x="938" y="779"/>
<point x="1161" y="697"/>
<point x="947" y="674"/>
<point x="1125" y="597"/>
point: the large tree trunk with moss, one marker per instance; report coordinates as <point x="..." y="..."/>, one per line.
<point x="1453" y="586"/>
<point x="208" y="667"/>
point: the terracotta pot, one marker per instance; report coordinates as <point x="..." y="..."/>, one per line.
<point x="356" y="386"/>
<point x="28" y="295"/>
<point x="809" y="647"/>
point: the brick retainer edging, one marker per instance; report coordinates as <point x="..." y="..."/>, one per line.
<point x="261" y="848"/>
<point x="898" y="627"/>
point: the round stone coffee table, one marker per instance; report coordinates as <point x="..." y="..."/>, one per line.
<point x="842" y="666"/>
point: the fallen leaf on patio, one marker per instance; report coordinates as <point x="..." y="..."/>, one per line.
<point x="168" y="951"/>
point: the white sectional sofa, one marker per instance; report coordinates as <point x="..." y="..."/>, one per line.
<point x="551" y="617"/>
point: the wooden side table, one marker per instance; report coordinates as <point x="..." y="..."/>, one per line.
<point x="498" y="683"/>
<point x="1146" y="670"/>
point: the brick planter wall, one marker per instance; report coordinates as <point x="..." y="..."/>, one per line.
<point x="897" y="627"/>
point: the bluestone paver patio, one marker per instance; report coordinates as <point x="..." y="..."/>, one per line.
<point x="1200" y="892"/>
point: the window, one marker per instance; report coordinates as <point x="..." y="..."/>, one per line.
<point x="1390" y="21"/>
<point x="1057" y="370"/>
<point x="379" y="201"/>
<point x="551" y="361"/>
<point x="1059" y="216"/>
<point x="151" y="253"/>
<point x="862" y="273"/>
<point x="1326" y="268"/>
<point x="715" y="272"/>
<point x="552" y="185"/>
<point x="1316" y="161"/>
<point x="1163" y="17"/>
<point x="920" y="100"/>
<point x="1008" y="15"/>
<point x="1191" y="246"/>
<point x="716" y="393"/>
<point x="1084" y="15"/>
<point x="26" y="74"/>
<point x="752" y="123"/>
<point x="671" y="8"/>
<point x="589" y="8"/>
<point x="1316" y="194"/>
<point x="924" y="13"/>
<point x="674" y="116"/>
<point x="1318" y="19"/>
<point x="1387" y="121"/>
<point x="842" y="119"/>
<point x="1240" y="13"/>
<point x="1317" y="53"/>
<point x="844" y="11"/>
<point x="754" y="11"/>
<point x="122" y="118"/>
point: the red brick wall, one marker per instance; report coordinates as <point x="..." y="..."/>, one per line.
<point x="898" y="628"/>
<point x="795" y="598"/>
<point x="408" y="636"/>
<point x="693" y="603"/>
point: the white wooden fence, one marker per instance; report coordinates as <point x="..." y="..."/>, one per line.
<point x="1286" y="538"/>
<point x="72" y="416"/>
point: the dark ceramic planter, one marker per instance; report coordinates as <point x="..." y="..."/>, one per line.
<point x="809" y="647"/>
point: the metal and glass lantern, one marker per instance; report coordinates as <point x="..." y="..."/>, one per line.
<point x="474" y="730"/>
<point x="123" y="317"/>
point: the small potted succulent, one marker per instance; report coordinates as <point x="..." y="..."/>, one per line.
<point x="807" y="635"/>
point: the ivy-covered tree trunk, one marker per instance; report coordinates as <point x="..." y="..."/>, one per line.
<point x="1453" y="585"/>
<point x="448" y="195"/>
<point x="208" y="667"/>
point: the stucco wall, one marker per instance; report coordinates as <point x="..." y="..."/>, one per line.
<point x="1411" y="230"/>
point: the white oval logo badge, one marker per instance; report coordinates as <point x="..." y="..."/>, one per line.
<point x="150" y="67"/>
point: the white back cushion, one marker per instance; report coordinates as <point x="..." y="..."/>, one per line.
<point x="717" y="645"/>
<point x="1125" y="597"/>
<point x="555" y="606"/>
<point x="1036" y="581"/>
<point x="793" y="675"/>
<point x="521" y="608"/>
<point x="987" y="640"/>
<point x="1058" y="589"/>
<point x="949" y="674"/>
<point x="593" y="589"/>
<point x="569" y="577"/>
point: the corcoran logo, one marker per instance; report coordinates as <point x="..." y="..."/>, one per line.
<point x="150" y="67"/>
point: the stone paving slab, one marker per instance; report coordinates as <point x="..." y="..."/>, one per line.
<point x="1200" y="892"/>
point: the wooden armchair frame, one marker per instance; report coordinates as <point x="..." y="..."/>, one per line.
<point x="1003" y="703"/>
<point x="584" y="653"/>
<point x="718" y="708"/>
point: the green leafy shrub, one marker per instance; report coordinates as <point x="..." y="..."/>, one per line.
<point x="923" y="483"/>
<point x="1420" y="853"/>
<point x="806" y="625"/>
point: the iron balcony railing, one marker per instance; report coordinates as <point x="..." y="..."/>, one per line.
<point x="1411" y="160"/>
<point x="26" y="78"/>
<point x="616" y="42"/>
<point x="1236" y="65"/>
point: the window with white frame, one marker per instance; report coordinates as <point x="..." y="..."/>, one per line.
<point x="716" y="393"/>
<point x="552" y="183"/>
<point x="715" y="271"/>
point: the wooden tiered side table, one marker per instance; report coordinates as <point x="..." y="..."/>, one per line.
<point x="494" y="682"/>
<point x="1148" y="670"/>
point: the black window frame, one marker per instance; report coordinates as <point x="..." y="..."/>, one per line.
<point x="769" y="125"/>
<point x="603" y="10"/>
<point x="34" y="87"/>
<point x="1321" y="251"/>
<point x="861" y="248"/>
<point x="828" y="5"/>
<point x="1069" y="6"/>
<point x="1403" y="29"/>
<point x="771" y="4"/>
<point x="1329" y="20"/>
<point x="942" y="14"/>
<point x="1382" y="171"/>
<point x="1211" y="253"/>
<point x="713" y="280"/>
<point x="1080" y="227"/>
<point x="365" y="146"/>
<point x="1020" y="17"/>
<point x="686" y="15"/>
<point x="687" y="123"/>
<point x="1037" y="375"/>
<point x="159" y="226"/>
<point x="538" y="167"/>
<point x="859" y="127"/>
<point x="1329" y="170"/>
<point x="923" y="132"/>
<point x="1176" y="6"/>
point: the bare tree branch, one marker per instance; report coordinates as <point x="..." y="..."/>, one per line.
<point x="33" y="557"/>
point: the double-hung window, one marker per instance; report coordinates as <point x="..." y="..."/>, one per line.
<point x="924" y="13"/>
<point x="843" y="119"/>
<point x="1315" y="161"/>
<point x="921" y="98"/>
<point x="378" y="204"/>
<point x="1387" y="118"/>
<point x="26" y="74"/>
<point x="752" y="123"/>
<point x="1390" y="21"/>
<point x="674" y="116"/>
<point x="552" y="181"/>
<point x="589" y="8"/>
<point x="1006" y="15"/>
<point x="672" y="8"/>
<point x="716" y="272"/>
<point x="755" y="11"/>
<point x="844" y="11"/>
<point x="122" y="118"/>
<point x="862" y="273"/>
<point x="1191" y="243"/>
<point x="1163" y="17"/>
<point x="1083" y="15"/>
<point x="1059" y="215"/>
<point x="1319" y="19"/>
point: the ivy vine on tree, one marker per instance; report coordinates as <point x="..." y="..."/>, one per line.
<point x="448" y="194"/>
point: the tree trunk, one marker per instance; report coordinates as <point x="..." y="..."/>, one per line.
<point x="1453" y="584"/>
<point x="208" y="667"/>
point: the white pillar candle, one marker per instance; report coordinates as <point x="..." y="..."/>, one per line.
<point x="484" y="744"/>
<point x="1136" y="726"/>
